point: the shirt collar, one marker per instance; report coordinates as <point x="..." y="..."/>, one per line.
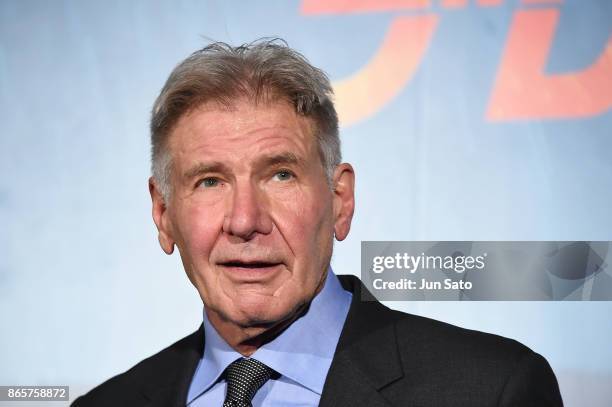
<point x="302" y="353"/>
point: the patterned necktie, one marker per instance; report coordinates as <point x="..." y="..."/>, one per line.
<point x="244" y="377"/>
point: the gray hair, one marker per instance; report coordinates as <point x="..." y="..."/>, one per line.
<point x="262" y="70"/>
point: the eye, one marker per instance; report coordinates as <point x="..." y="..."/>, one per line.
<point x="209" y="182"/>
<point x="283" y="175"/>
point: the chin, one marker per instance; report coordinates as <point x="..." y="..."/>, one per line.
<point x="261" y="311"/>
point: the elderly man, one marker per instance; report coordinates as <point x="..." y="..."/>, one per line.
<point x="248" y="184"/>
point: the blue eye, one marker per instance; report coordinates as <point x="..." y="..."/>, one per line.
<point x="283" y="175"/>
<point x="209" y="182"/>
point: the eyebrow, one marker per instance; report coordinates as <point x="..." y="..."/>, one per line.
<point x="286" y="158"/>
<point x="205" y="167"/>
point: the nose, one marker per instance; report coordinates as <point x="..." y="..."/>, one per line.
<point x="247" y="212"/>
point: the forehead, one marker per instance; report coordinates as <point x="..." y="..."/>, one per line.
<point x="242" y="128"/>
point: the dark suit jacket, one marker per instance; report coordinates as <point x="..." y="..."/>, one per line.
<point x="383" y="358"/>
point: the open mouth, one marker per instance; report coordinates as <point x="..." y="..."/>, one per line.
<point x="250" y="271"/>
<point x="250" y="264"/>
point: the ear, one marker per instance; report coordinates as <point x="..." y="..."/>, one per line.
<point x="344" y="199"/>
<point x="161" y="218"/>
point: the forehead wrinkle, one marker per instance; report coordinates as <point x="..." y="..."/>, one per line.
<point x="217" y="135"/>
<point x="220" y="135"/>
<point x="246" y="122"/>
<point x="235" y="121"/>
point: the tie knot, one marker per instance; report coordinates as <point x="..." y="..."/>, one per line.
<point x="244" y="377"/>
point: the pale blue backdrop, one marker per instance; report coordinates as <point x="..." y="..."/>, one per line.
<point x="85" y="291"/>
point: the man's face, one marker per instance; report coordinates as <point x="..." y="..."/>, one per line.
<point x="251" y="211"/>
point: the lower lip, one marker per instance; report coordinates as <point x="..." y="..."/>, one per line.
<point x="251" y="274"/>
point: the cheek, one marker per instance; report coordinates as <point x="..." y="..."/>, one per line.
<point x="306" y="223"/>
<point x="198" y="229"/>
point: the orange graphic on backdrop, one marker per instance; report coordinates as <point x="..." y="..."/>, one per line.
<point x="523" y="91"/>
<point x="359" y="6"/>
<point x="393" y="65"/>
<point x="387" y="73"/>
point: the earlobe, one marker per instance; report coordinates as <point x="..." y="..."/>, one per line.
<point x="344" y="200"/>
<point x="166" y="244"/>
<point x="160" y="217"/>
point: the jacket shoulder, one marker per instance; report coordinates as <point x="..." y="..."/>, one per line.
<point x="166" y="366"/>
<point x="414" y="330"/>
<point x="501" y="370"/>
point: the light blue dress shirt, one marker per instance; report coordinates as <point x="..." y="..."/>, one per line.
<point x="302" y="355"/>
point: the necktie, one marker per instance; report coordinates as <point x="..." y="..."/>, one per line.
<point x="244" y="377"/>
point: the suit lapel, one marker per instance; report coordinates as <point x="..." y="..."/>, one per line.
<point x="178" y="366"/>
<point x="366" y="358"/>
